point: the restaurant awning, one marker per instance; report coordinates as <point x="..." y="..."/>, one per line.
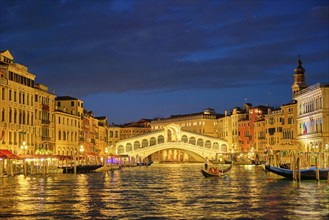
<point x="91" y="154"/>
<point x="8" y="154"/>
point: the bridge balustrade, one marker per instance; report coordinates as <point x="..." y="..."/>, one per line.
<point x="172" y="136"/>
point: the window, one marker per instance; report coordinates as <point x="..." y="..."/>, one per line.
<point x="72" y="103"/>
<point x="3" y="94"/>
<point x="10" y="115"/>
<point x="271" y="131"/>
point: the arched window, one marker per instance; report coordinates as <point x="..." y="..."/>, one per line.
<point x="129" y="147"/>
<point x="184" y="139"/>
<point x="137" y="145"/>
<point x="207" y="144"/>
<point x="200" y="142"/>
<point x="121" y="149"/>
<point x="153" y="141"/>
<point x="160" y="139"/>
<point x="192" y="140"/>
<point x="215" y="146"/>
<point x="223" y="148"/>
<point x="145" y="143"/>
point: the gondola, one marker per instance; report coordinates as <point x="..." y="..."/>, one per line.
<point x="305" y="174"/>
<point x="220" y="172"/>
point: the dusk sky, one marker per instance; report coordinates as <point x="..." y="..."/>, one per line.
<point x="129" y="60"/>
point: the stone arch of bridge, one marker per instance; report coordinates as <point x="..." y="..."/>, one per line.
<point x="196" y="153"/>
<point x="172" y="134"/>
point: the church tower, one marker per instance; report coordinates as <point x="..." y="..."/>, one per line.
<point x="299" y="79"/>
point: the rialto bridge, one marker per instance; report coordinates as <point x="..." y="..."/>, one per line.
<point x="171" y="144"/>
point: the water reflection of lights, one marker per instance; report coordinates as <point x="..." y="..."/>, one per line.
<point x="170" y="192"/>
<point x="113" y="194"/>
<point x="24" y="189"/>
<point x="81" y="194"/>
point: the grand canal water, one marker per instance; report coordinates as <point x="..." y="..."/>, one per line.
<point x="163" y="192"/>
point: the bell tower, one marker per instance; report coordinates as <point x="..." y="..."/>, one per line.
<point x="299" y="79"/>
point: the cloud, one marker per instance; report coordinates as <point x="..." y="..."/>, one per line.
<point x="153" y="46"/>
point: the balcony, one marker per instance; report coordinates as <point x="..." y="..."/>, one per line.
<point x="45" y="122"/>
<point x="45" y="108"/>
<point x="44" y="138"/>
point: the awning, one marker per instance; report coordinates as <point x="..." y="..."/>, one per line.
<point x="36" y="156"/>
<point x="91" y="154"/>
<point x="64" y="157"/>
<point x="8" y="154"/>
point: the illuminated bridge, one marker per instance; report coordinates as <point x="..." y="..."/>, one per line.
<point x="172" y="144"/>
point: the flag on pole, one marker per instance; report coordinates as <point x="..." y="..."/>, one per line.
<point x="305" y="129"/>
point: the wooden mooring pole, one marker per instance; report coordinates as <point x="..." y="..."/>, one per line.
<point x="317" y="176"/>
<point x="298" y="169"/>
<point x="293" y="167"/>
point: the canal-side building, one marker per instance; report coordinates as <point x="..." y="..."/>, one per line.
<point x="26" y="114"/>
<point x="312" y="113"/>
<point x="70" y="105"/>
<point x="237" y="115"/>
<point x="67" y="129"/>
<point x="224" y="128"/>
<point x="114" y="137"/>
<point x="247" y="127"/>
<point x="68" y="109"/>
<point x="202" y="122"/>
<point x="313" y="118"/>
<point x="260" y="136"/>
<point x="133" y="129"/>
<point x="281" y="127"/>
<point x="101" y="135"/>
<point x="89" y="133"/>
<point x="44" y="120"/>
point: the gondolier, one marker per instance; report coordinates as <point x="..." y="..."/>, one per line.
<point x="206" y="164"/>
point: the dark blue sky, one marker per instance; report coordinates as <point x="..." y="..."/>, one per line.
<point x="143" y="59"/>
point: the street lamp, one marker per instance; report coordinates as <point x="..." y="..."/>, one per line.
<point x="81" y="151"/>
<point x="24" y="147"/>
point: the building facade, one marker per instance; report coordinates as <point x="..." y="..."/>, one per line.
<point x="35" y="121"/>
<point x="247" y="127"/>
<point x="281" y="127"/>
<point x="313" y="118"/>
<point x="26" y="110"/>
<point x="67" y="129"/>
<point x="203" y="122"/>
